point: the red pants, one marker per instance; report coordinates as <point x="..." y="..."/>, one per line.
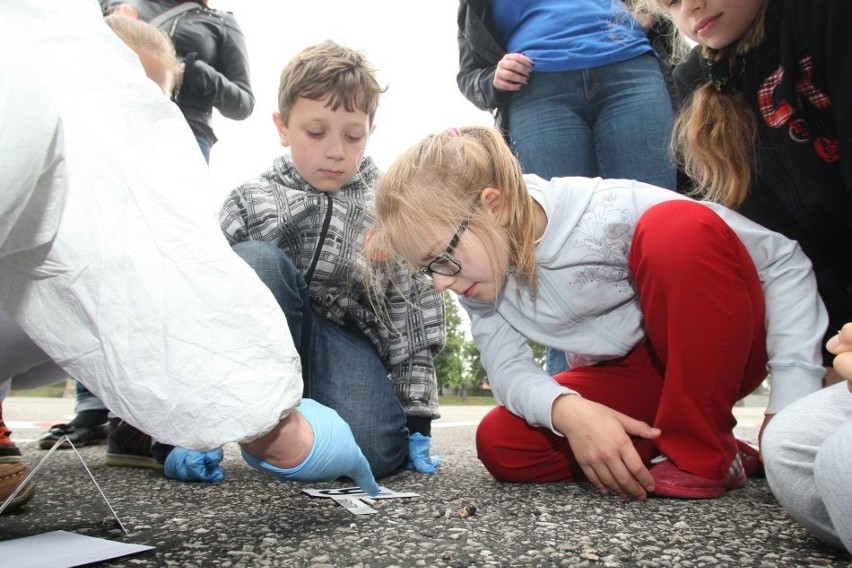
<point x="705" y="349"/>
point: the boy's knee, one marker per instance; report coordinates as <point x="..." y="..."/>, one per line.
<point x="386" y="452"/>
<point x="270" y="263"/>
<point x="255" y="251"/>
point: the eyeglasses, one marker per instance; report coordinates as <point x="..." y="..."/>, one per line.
<point x="443" y="264"/>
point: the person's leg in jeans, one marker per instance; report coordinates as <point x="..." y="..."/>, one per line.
<point x="204" y="145"/>
<point x="347" y="374"/>
<point x="342" y="369"/>
<point x="551" y="132"/>
<point x="287" y="285"/>
<point x="89" y="409"/>
<point x="632" y="122"/>
<point x="550" y="126"/>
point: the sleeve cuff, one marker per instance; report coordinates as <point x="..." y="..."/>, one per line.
<point x="419" y="425"/>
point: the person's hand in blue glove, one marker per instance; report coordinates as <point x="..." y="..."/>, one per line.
<point x="418" y="454"/>
<point x="190" y="465"/>
<point x="333" y="453"/>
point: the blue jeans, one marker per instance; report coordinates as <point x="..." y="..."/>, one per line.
<point x="86" y="399"/>
<point x="611" y="122"/>
<point x="556" y="361"/>
<point x="204" y="145"/>
<point x="341" y="367"/>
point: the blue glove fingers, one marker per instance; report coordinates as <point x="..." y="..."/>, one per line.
<point x="214" y="473"/>
<point x="418" y="454"/>
<point x="190" y="465"/>
<point x="333" y="454"/>
<point x="427" y="465"/>
<point x="363" y="477"/>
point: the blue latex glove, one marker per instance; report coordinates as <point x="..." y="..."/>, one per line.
<point x="334" y="453"/>
<point x="190" y="465"/>
<point x="418" y="454"/>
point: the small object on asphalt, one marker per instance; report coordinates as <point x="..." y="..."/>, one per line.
<point x="466" y="511"/>
<point x="354" y="505"/>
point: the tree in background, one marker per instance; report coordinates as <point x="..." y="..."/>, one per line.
<point x="458" y="367"/>
<point x="450" y="364"/>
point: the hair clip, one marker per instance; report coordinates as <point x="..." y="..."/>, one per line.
<point x="453" y="132"/>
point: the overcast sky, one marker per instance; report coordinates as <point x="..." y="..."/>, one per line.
<point x="412" y="45"/>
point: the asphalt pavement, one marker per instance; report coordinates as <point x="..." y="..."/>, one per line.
<point x="252" y="520"/>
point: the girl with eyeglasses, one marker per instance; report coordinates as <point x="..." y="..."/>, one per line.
<point x="670" y="310"/>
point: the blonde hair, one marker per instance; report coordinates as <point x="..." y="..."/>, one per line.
<point x="328" y="70"/>
<point x="715" y="134"/>
<point x="438" y="183"/>
<point x="144" y="37"/>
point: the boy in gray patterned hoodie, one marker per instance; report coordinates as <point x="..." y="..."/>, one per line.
<point x="301" y="225"/>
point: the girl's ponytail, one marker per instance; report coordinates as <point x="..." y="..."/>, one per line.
<point x="714" y="142"/>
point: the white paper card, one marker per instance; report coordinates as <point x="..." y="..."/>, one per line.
<point x="355" y="491"/>
<point x="60" y="549"/>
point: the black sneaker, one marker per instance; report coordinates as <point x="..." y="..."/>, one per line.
<point x="129" y="447"/>
<point x="79" y="435"/>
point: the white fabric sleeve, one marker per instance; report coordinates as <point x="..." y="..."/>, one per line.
<point x="518" y="383"/>
<point x="127" y="283"/>
<point x="796" y="319"/>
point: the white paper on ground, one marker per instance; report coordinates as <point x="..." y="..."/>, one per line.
<point x="355" y="505"/>
<point x="350" y="498"/>
<point x="355" y="491"/>
<point x="59" y="549"/>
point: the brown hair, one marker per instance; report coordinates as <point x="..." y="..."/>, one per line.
<point x="328" y="70"/>
<point x="715" y="134"/>
<point x="438" y="182"/>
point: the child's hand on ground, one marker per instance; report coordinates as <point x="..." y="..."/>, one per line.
<point x="600" y="440"/>
<point x="841" y="346"/>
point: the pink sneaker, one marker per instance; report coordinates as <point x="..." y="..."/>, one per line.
<point x="669" y="481"/>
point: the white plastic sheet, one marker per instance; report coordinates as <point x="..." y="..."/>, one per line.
<point x="111" y="256"/>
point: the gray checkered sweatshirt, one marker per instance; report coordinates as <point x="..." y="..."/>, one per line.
<point x="323" y="234"/>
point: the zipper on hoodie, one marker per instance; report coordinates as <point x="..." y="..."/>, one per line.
<point x="325" y="223"/>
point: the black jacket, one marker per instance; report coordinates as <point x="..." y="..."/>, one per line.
<point x="479" y="53"/>
<point x="803" y="186"/>
<point x="213" y="47"/>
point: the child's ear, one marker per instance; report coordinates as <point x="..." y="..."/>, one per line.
<point x="281" y="127"/>
<point x="492" y="201"/>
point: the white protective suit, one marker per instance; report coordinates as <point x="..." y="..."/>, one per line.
<point x="111" y="256"/>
